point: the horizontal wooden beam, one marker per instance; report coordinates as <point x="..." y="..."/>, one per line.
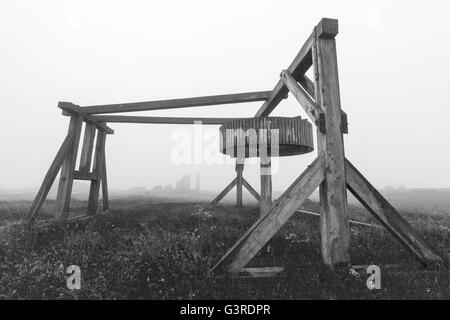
<point x="161" y="120"/>
<point x="70" y="108"/>
<point x="77" y="175"/>
<point x="178" y="103"/>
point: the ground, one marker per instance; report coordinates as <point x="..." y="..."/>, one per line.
<point x="145" y="249"/>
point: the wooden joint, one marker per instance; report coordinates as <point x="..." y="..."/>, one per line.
<point x="70" y="109"/>
<point x="327" y="28"/>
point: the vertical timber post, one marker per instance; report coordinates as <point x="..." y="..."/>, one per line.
<point x="334" y="226"/>
<point x="105" y="196"/>
<point x="239" y="170"/>
<point x="97" y="170"/>
<point x="265" y="200"/>
<point x="67" y="170"/>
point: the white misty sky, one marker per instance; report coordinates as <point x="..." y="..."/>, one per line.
<point x="393" y="62"/>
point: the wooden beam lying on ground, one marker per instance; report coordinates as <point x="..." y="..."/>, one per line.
<point x="263" y="272"/>
<point x="350" y="221"/>
<point x="70" y="108"/>
<point x="383" y="211"/>
<point x="178" y="103"/>
<point x="266" y="226"/>
<point x="161" y="120"/>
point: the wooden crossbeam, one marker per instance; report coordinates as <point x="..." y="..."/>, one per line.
<point x="70" y="108"/>
<point x="224" y="192"/>
<point x="88" y="176"/>
<point x="266" y="226"/>
<point x="383" y="211"/>
<point x="178" y="103"/>
<point x="49" y="178"/>
<point x="161" y="120"/>
<point x="250" y="189"/>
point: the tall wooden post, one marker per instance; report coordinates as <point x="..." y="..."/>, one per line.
<point x="67" y="170"/>
<point x="97" y="171"/>
<point x="335" y="233"/>
<point x="265" y="200"/>
<point x="239" y="170"/>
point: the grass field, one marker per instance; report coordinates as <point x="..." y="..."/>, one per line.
<point x="145" y="249"/>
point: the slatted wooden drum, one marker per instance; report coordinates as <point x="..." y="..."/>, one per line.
<point x="271" y="136"/>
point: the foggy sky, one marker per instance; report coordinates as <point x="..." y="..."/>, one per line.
<point x="394" y="70"/>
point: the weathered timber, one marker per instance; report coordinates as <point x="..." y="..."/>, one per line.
<point x="265" y="202"/>
<point x="70" y="109"/>
<point x="66" y="177"/>
<point x="49" y="178"/>
<point x="383" y="211"/>
<point x="104" y="179"/>
<point x="97" y="169"/>
<point x="250" y="189"/>
<point x="239" y="170"/>
<point x="266" y="226"/>
<point x="335" y="232"/>
<point x="178" y="103"/>
<point x="224" y="192"/>
<point x="162" y="120"/>
<point x="87" y="148"/>
<point x="298" y="67"/>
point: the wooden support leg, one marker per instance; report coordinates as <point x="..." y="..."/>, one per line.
<point x="87" y="149"/>
<point x="335" y="233"/>
<point x="224" y="192"/>
<point x="264" y="229"/>
<point x="97" y="170"/>
<point x="265" y="202"/>
<point x="105" y="185"/>
<point x="49" y="178"/>
<point x="239" y="170"/>
<point x="382" y="210"/>
<point x="67" y="170"/>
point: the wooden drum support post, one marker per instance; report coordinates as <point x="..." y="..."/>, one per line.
<point x="263" y="138"/>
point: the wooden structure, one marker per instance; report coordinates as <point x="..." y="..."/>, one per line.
<point x="331" y="172"/>
<point x="262" y="137"/>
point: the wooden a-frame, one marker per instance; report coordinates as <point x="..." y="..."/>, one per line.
<point x="331" y="172"/>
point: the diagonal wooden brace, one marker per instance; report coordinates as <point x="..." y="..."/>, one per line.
<point x="382" y="210"/>
<point x="266" y="226"/>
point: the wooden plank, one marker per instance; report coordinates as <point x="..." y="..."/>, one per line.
<point x="239" y="170"/>
<point x="224" y="192"/>
<point x="178" y="103"/>
<point x="308" y="104"/>
<point x="70" y="109"/>
<point x="67" y="170"/>
<point x="49" y="178"/>
<point x="335" y="232"/>
<point x="385" y="213"/>
<point x="87" y="149"/>
<point x="298" y="67"/>
<point x="162" y="120"/>
<point x="265" y="227"/>
<point x="265" y="202"/>
<point x="97" y="169"/>
<point x="105" y="196"/>
<point x="88" y="176"/>
<point x="262" y="272"/>
<point x="250" y="189"/>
